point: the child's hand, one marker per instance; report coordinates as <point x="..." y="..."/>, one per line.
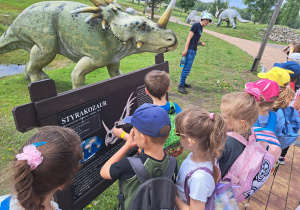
<point x="130" y="143"/>
<point x="117" y="132"/>
<point x="203" y="44"/>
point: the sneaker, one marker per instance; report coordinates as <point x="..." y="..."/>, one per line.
<point x="187" y="85"/>
<point x="182" y="90"/>
<point x="281" y="160"/>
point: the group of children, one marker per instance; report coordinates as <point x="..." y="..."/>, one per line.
<point x="56" y="152"/>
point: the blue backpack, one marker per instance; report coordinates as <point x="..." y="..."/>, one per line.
<point x="271" y="124"/>
<point x="287" y="128"/>
<point x="4" y="205"/>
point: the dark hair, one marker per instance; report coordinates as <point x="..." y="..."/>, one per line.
<point x="61" y="155"/>
<point x="210" y="134"/>
<point x="157" y="83"/>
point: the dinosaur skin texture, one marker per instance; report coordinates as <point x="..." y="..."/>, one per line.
<point x="93" y="37"/>
<point x="230" y="16"/>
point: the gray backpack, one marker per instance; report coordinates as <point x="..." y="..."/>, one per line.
<point x="154" y="192"/>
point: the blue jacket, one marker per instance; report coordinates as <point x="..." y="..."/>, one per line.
<point x="288" y="124"/>
<point x="290" y="65"/>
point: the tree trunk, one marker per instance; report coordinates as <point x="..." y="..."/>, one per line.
<point x="152" y="10"/>
<point x="144" y="8"/>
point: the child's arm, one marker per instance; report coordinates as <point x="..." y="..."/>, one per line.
<point x="194" y="204"/>
<point x="120" y="133"/>
<point x="296" y="105"/>
<point x="130" y="143"/>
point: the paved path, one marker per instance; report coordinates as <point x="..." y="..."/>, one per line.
<point x="272" y="53"/>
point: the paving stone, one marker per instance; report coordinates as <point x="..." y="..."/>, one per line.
<point x="292" y="202"/>
<point x="269" y="182"/>
<point x="296" y="168"/>
<point x="277" y="201"/>
<point x="294" y="184"/>
<point x="295" y="176"/>
<point x="279" y="190"/>
<point x="255" y="204"/>
<point x="242" y="206"/>
<point x="265" y="189"/>
<point x="282" y="180"/>
<point x="272" y="206"/>
<point x="262" y="197"/>
<point x="294" y="192"/>
<point x="296" y="161"/>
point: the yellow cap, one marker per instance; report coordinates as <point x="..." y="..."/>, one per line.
<point x="279" y="75"/>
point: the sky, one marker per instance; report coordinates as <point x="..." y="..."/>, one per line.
<point x="236" y="3"/>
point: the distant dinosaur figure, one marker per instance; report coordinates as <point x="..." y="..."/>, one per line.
<point x="93" y="37"/>
<point x="230" y="16"/>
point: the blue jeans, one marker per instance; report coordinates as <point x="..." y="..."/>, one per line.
<point x="189" y="59"/>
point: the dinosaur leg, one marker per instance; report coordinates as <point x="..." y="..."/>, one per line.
<point x="38" y="59"/>
<point x="228" y="23"/>
<point x="114" y="69"/>
<point x="233" y="23"/>
<point x="84" y="66"/>
<point x="219" y="22"/>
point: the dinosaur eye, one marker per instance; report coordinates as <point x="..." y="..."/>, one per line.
<point x="169" y="40"/>
<point x="143" y="29"/>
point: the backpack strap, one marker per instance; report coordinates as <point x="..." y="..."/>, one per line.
<point x="4" y="205"/>
<point x="139" y="169"/>
<point x="271" y="142"/>
<point x="171" y="168"/>
<point x="239" y="137"/>
<point x="188" y="176"/>
<point x="271" y="124"/>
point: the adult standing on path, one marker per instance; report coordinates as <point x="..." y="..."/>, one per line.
<point x="191" y="49"/>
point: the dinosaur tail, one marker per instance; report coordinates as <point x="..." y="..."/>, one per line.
<point x="8" y="42"/>
<point x="241" y="19"/>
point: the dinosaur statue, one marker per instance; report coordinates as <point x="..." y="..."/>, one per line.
<point x="230" y="16"/>
<point x="93" y="37"/>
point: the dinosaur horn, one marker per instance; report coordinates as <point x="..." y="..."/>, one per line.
<point x="217" y="8"/>
<point x="96" y="15"/>
<point x="107" y="1"/>
<point x="97" y="3"/>
<point x="164" y="19"/>
<point x="87" y="9"/>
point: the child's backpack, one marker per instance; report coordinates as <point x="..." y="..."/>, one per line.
<point x="4" y="205"/>
<point x="251" y="169"/>
<point x="154" y="192"/>
<point x="271" y="124"/>
<point x="221" y="198"/>
<point x="172" y="145"/>
<point x="287" y="128"/>
<point x="268" y="140"/>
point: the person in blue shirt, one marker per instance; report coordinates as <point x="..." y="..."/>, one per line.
<point x="191" y="49"/>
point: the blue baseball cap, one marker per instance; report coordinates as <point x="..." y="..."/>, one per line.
<point x="149" y="120"/>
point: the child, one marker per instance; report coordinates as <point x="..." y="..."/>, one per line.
<point x="240" y="111"/>
<point x="204" y="134"/>
<point x="269" y="91"/>
<point x="285" y="98"/>
<point x="292" y="48"/>
<point x="293" y="65"/>
<point x="157" y="84"/>
<point x="151" y="127"/>
<point x="46" y="163"/>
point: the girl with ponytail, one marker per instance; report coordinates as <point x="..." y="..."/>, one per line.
<point x="240" y="111"/>
<point x="46" y="163"/>
<point x="204" y="134"/>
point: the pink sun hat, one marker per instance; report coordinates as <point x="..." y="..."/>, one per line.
<point x="268" y="88"/>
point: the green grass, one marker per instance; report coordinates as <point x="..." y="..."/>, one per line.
<point x="219" y="68"/>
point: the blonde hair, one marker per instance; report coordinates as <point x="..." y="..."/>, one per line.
<point x="210" y="134"/>
<point x="240" y="106"/>
<point x="285" y="96"/>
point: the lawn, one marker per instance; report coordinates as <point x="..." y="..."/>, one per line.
<point x="219" y="68"/>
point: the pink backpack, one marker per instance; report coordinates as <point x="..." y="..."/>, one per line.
<point x="251" y="169"/>
<point x="268" y="140"/>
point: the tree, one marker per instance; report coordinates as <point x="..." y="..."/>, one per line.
<point x="261" y="10"/>
<point x="201" y="6"/>
<point x="289" y="13"/>
<point x="220" y="4"/>
<point x="153" y="4"/>
<point x="186" y="4"/>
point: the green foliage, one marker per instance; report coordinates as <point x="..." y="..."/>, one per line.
<point x="186" y="4"/>
<point x="218" y="4"/>
<point x="201" y="6"/>
<point x="260" y="9"/>
<point x="289" y="14"/>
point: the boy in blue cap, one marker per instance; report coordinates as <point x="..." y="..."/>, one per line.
<point x="151" y="128"/>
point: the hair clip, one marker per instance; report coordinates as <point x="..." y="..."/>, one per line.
<point x="32" y="155"/>
<point x="39" y="143"/>
<point x="211" y="116"/>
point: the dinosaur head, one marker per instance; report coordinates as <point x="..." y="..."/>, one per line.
<point x="146" y="35"/>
